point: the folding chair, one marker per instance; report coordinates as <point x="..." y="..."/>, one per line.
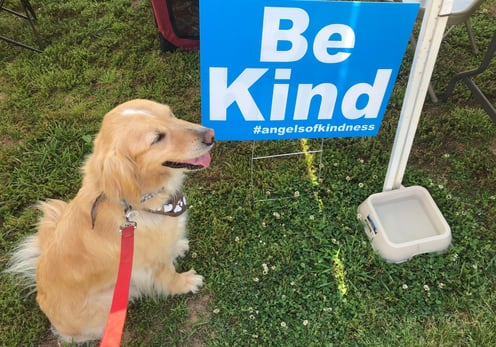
<point x="466" y="77"/>
<point x="460" y="14"/>
<point x="28" y="15"/>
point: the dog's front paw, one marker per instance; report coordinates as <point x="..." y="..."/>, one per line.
<point x="186" y="282"/>
<point x="194" y="281"/>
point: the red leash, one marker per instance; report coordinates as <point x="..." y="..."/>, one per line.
<point x="117" y="317"/>
<point x="115" y="322"/>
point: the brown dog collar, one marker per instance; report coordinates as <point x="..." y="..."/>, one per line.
<point x="175" y="207"/>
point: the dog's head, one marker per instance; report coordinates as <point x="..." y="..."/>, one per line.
<point x="142" y="147"/>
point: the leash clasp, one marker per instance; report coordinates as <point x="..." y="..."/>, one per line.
<point x="129" y="215"/>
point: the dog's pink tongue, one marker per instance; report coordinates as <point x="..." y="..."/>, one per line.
<point x="204" y="160"/>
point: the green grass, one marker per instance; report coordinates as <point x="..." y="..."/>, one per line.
<point x="287" y="272"/>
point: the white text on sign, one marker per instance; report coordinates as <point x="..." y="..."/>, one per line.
<point x="285" y="27"/>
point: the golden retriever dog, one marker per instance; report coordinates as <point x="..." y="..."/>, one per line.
<point x="138" y="162"/>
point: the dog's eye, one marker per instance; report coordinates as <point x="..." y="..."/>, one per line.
<point x="158" y="138"/>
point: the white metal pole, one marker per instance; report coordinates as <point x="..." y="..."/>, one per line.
<point x="429" y="41"/>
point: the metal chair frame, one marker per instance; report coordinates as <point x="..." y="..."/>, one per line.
<point x="454" y="19"/>
<point x="28" y="15"/>
<point x="466" y="77"/>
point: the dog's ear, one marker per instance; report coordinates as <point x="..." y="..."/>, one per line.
<point x="119" y="178"/>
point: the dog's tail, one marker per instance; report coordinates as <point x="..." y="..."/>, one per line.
<point x="52" y="210"/>
<point x="24" y="260"/>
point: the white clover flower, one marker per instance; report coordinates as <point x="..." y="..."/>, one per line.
<point x="348" y="178"/>
<point x="312" y="217"/>
<point x="404" y="286"/>
<point x="426" y="287"/>
<point x="446" y="155"/>
<point x="296" y="194"/>
<point x="305" y="322"/>
<point x="284" y="325"/>
<point x="256" y="279"/>
<point x="236" y="239"/>
<point x="276" y="215"/>
<point x="265" y="269"/>
<point x="216" y="311"/>
<point x="441" y="285"/>
<point x="360" y="185"/>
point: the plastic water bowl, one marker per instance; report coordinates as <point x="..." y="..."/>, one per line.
<point x="403" y="223"/>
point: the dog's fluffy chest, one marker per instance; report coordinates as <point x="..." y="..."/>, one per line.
<point x="156" y="235"/>
<point x="159" y="240"/>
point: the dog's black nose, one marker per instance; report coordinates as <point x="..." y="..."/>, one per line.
<point x="208" y="137"/>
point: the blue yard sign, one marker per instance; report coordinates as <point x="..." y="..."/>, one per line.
<point x="286" y="69"/>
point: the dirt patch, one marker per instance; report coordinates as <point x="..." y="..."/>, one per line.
<point x="7" y="141"/>
<point x="49" y="341"/>
<point x="492" y="146"/>
<point x="198" y="311"/>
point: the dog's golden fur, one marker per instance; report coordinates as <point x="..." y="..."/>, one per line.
<point x="140" y="150"/>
